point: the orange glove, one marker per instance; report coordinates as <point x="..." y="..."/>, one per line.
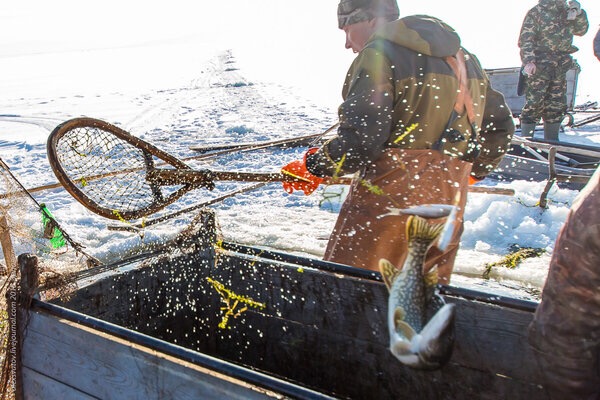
<point x="473" y="180"/>
<point x="297" y="169"/>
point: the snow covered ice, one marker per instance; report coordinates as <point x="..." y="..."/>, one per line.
<point x="185" y="75"/>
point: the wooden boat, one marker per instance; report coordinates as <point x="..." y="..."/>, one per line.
<point x="209" y="319"/>
<point x="570" y="165"/>
<point x="506" y="80"/>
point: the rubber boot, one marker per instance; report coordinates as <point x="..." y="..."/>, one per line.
<point x="551" y="131"/>
<point x="527" y="130"/>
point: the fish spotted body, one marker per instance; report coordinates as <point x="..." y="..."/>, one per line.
<point x="415" y="340"/>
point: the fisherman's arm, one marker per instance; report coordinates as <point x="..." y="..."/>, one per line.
<point x="579" y="24"/>
<point x="365" y="119"/>
<point x="527" y="39"/>
<point x="496" y="134"/>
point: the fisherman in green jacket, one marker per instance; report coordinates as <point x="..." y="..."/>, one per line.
<point x="419" y="118"/>
<point x="546" y="42"/>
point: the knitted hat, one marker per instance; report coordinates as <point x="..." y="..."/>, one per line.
<point x="354" y="11"/>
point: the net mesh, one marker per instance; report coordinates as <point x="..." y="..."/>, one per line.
<point x="105" y="168"/>
<point x="29" y="227"/>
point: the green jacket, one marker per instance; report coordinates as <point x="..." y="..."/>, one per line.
<point x="400" y="92"/>
<point x="546" y="33"/>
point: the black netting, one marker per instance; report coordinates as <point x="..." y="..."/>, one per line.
<point x="106" y="169"/>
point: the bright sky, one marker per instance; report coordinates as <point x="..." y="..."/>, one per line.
<point x="296" y="42"/>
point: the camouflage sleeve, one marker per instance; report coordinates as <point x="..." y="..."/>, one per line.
<point x="527" y="38"/>
<point x="579" y="26"/>
<point x="496" y="134"/>
<point x="365" y="118"/>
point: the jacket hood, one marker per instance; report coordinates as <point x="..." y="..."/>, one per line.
<point x="421" y="33"/>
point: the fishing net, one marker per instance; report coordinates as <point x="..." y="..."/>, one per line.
<point x="102" y="170"/>
<point x="115" y="174"/>
<point x="90" y="153"/>
<point x="27" y="226"/>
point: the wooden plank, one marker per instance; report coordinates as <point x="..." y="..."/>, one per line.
<point x="559" y="147"/>
<point x="107" y="367"/>
<point x="284" y="143"/>
<point x="494" y="339"/>
<point x="357" y="310"/>
<point x="319" y="329"/>
<point x="520" y="168"/>
<point x="587" y="120"/>
<point x="39" y="386"/>
<point x="288" y="142"/>
<point x="328" y="359"/>
<point x="7" y="247"/>
<point x="309" y="309"/>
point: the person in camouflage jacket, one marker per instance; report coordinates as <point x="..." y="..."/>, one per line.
<point x="405" y="132"/>
<point x="546" y="43"/>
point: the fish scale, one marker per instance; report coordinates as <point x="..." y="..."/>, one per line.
<point x="408" y="289"/>
<point x="414" y="340"/>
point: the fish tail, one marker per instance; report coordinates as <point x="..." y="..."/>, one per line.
<point x="418" y="228"/>
<point x="431" y="348"/>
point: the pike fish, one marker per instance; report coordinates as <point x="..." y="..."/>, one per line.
<point x="415" y="339"/>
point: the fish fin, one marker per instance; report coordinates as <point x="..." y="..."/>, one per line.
<point x="430" y="349"/>
<point x="419" y="228"/>
<point x="392" y="211"/>
<point x="401" y="326"/>
<point x="437" y="339"/>
<point x="431" y="278"/>
<point x="448" y="231"/>
<point x="434" y="304"/>
<point x="402" y="347"/>
<point x="389" y="272"/>
<point x="450" y="225"/>
<point x="430" y="283"/>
